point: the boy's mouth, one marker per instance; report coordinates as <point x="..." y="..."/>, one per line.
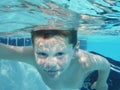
<point x="50" y="71"/>
<point x="53" y="73"/>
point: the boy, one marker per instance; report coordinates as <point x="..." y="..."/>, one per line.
<point x="62" y="65"/>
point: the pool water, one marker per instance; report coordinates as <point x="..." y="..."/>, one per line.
<point x="107" y="45"/>
<point x="98" y="22"/>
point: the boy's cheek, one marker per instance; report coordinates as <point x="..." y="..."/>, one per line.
<point x="61" y="63"/>
<point x="63" y="60"/>
<point x="39" y="61"/>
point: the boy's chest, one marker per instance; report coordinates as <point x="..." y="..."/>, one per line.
<point x="70" y="81"/>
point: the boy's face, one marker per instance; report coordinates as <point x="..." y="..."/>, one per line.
<point x="53" y="55"/>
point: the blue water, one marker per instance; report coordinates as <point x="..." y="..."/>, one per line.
<point x="98" y="22"/>
<point x="108" y="46"/>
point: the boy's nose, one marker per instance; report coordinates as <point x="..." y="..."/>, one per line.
<point x="50" y="68"/>
<point x="50" y="65"/>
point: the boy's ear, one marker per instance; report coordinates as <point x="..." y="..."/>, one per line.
<point x="77" y="45"/>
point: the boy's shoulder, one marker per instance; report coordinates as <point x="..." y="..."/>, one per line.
<point x="83" y="55"/>
<point x="86" y="56"/>
<point x="86" y="60"/>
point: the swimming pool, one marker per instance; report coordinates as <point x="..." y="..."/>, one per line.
<point x="98" y="31"/>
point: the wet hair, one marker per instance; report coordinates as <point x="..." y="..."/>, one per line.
<point x="70" y="34"/>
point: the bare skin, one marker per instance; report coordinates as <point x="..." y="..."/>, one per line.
<point x="61" y="66"/>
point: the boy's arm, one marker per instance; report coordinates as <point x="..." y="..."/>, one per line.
<point x="95" y="62"/>
<point x="103" y="73"/>
<point x="103" y="66"/>
<point x="23" y="54"/>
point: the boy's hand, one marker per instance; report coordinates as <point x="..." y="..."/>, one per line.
<point x="99" y="86"/>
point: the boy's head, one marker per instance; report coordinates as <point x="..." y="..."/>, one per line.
<point x="54" y="50"/>
<point x="70" y="34"/>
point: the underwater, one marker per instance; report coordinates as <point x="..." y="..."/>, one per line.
<point x="96" y="21"/>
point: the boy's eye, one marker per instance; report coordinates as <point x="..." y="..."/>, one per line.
<point x="60" y="54"/>
<point x="42" y="54"/>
